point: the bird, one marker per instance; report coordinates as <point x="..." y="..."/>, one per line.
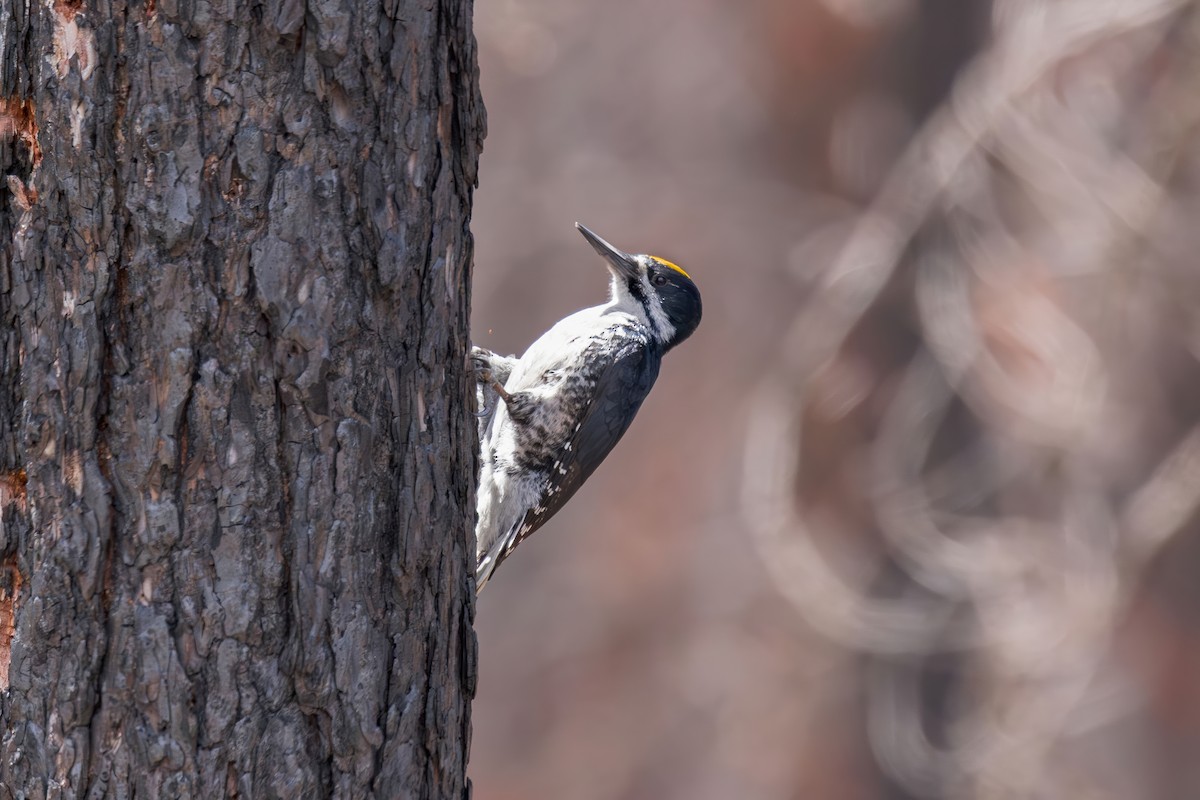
<point x="562" y="406"/>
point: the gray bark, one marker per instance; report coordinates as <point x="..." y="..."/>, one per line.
<point x="236" y="453"/>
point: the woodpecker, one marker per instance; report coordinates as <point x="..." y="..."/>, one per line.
<point x="564" y="404"/>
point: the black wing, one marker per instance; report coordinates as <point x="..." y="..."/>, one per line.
<point x="615" y="401"/>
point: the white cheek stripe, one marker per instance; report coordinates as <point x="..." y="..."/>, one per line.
<point x="652" y="313"/>
<point x="661" y="321"/>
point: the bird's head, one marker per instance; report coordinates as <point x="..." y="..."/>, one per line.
<point x="666" y="294"/>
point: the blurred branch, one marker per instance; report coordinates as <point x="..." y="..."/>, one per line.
<point x="831" y="601"/>
<point x="1161" y="507"/>
<point x="1038" y="38"/>
<point x="1000" y="450"/>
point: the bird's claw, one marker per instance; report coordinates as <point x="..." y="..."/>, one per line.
<point x="491" y="372"/>
<point x="481" y="363"/>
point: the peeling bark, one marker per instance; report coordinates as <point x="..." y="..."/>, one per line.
<point x="233" y="334"/>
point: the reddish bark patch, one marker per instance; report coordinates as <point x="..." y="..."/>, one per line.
<point x="68" y="9"/>
<point x="12" y="494"/>
<point x="23" y="197"/>
<point x="17" y="120"/>
<point x="10" y="588"/>
<point x="12" y="487"/>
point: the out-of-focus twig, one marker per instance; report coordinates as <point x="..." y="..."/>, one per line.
<point x="1038" y="40"/>
<point x="1001" y="453"/>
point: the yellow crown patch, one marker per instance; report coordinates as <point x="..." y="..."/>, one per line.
<point x="675" y="267"/>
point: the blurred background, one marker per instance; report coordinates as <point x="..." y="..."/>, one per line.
<point x="914" y="513"/>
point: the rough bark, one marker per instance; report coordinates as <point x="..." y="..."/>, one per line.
<point x="235" y="449"/>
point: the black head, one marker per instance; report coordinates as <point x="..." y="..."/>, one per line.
<point x="666" y="294"/>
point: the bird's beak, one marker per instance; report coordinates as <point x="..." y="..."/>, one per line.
<point x="621" y="263"/>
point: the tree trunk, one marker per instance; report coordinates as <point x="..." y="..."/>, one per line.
<point x="236" y="456"/>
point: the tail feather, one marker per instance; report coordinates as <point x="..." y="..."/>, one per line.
<point x="497" y="552"/>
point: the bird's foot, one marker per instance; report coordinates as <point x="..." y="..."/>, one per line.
<point x="481" y="365"/>
<point x="485" y="377"/>
<point x="491" y="367"/>
<point x="484" y="363"/>
<point x="491" y="371"/>
<point x="485" y="408"/>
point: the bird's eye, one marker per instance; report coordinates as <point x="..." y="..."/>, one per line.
<point x="659" y="280"/>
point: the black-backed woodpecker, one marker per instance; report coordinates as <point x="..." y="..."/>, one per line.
<point x="565" y="403"/>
